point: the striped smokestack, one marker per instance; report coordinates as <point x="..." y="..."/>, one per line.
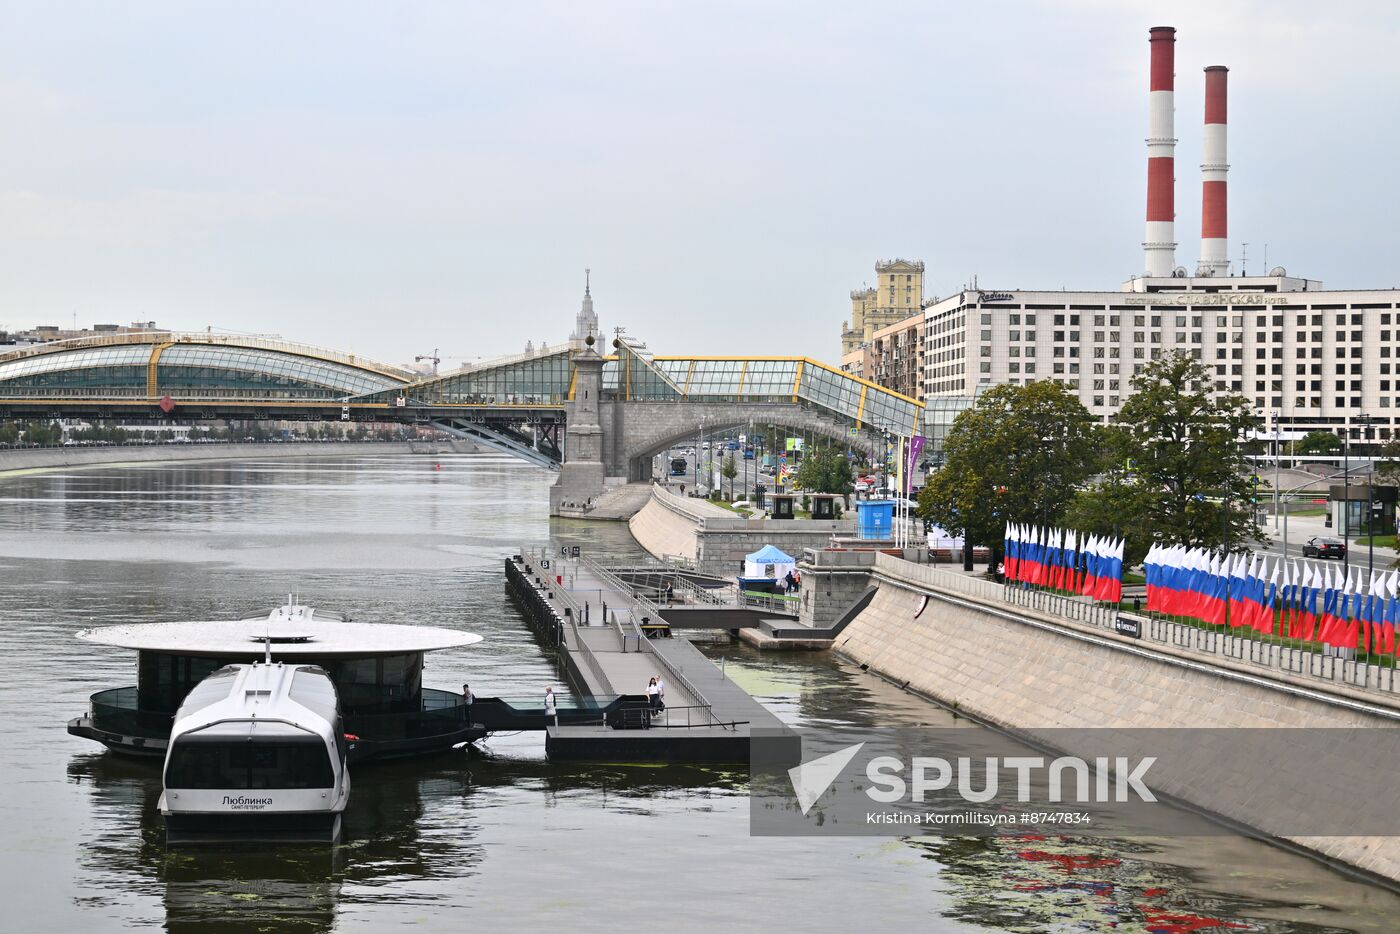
<point x="1214" y="261"/>
<point x="1159" y="249"/>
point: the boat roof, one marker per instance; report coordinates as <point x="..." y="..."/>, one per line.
<point x="269" y="699"/>
<point x="294" y="632"/>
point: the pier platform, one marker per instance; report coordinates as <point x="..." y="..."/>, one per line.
<point x="599" y="627"/>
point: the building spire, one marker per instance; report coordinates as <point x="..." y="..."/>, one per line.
<point x="586" y="322"/>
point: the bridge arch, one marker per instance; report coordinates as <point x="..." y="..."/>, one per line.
<point x="189" y="366"/>
<point x="652" y="428"/>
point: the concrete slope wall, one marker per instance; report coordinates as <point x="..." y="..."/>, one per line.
<point x="663" y="530"/>
<point x="992" y="662"/>
<point x="34" y="458"/>
<point x="716" y="539"/>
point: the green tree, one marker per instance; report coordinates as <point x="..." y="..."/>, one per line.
<point x="1018" y="455"/>
<point x="9" y="433"/>
<point x="40" y="433"/>
<point x="1108" y="508"/>
<point x="825" y="470"/>
<point x="729" y="470"/>
<point x="1192" y="484"/>
<point x="1388" y="462"/>
<point x="1317" y="442"/>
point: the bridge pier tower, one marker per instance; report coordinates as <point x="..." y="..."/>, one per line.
<point x="581" y="474"/>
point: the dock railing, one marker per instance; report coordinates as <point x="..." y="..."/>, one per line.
<point x="678" y="677"/>
<point x="696" y="717"/>
<point x="783" y="604"/>
<point x="573" y="613"/>
<point x="699" y="596"/>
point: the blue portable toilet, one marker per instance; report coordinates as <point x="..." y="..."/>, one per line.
<point x="875" y="519"/>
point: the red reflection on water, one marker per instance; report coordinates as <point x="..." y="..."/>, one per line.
<point x="1067" y="862"/>
<point x="1163" y="922"/>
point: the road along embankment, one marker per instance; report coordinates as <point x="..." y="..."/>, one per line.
<point x="715" y="539"/>
<point x="20" y="459"/>
<point x="1030" y="671"/>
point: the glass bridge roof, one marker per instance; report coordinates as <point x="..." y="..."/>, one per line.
<point x="203" y="365"/>
<point x="216" y="366"/>
<point x="545" y="379"/>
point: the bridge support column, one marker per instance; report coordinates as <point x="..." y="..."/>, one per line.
<point x="581" y="475"/>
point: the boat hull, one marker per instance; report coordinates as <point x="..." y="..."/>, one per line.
<point x="195" y="829"/>
<point x="145" y="747"/>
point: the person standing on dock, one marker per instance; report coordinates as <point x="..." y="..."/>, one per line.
<point x="467" y="699"/>
<point x="660" y="693"/>
<point x="653" y="699"/>
<point x="551" y="712"/>
<point x="670" y="593"/>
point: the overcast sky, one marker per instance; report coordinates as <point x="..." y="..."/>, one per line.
<point x="390" y="178"/>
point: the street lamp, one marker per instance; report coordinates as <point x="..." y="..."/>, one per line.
<point x="1370" y="503"/>
<point x="1277" y="451"/>
<point x="1287" y="493"/>
<point x="1346" y="491"/>
<point x="699" y="444"/>
<point x="749" y="443"/>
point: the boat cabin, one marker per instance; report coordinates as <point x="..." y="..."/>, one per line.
<point x="377" y="668"/>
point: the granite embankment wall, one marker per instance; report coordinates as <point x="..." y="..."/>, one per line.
<point x="42" y="458"/>
<point x="717" y="539"/>
<point x="1028" y="671"/>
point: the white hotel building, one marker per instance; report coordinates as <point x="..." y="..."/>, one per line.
<point x="1319" y="359"/>
<point x="1306" y="358"/>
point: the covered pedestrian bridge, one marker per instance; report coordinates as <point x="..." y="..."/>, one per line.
<point x="521" y="404"/>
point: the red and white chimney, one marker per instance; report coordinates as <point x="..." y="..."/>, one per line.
<point x="1159" y="248"/>
<point x="1214" y="245"/>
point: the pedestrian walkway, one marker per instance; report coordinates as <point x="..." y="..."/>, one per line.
<point x="597" y="623"/>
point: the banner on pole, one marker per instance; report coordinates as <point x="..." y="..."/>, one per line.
<point x="916" y="448"/>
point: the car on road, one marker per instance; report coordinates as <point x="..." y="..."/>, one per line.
<point x="1320" y="547"/>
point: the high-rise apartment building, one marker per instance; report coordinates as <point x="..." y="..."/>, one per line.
<point x="897" y="294"/>
<point x="895" y="357"/>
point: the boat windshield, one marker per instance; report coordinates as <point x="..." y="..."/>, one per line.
<point x="286" y="763"/>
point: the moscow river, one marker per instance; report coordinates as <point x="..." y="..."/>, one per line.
<point x="495" y="839"/>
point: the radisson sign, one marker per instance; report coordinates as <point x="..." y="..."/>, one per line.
<point x="1207" y="298"/>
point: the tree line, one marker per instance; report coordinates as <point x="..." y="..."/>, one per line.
<point x="1171" y="466"/>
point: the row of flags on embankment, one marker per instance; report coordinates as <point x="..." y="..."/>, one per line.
<point x="1063" y="559"/>
<point x="1310" y="604"/>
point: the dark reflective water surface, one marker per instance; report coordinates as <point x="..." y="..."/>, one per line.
<point x="497" y="839"/>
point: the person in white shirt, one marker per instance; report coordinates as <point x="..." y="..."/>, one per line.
<point x="660" y="693"/>
<point x="467" y="698"/>
<point x="551" y="712"/>
<point x="652" y="698"/>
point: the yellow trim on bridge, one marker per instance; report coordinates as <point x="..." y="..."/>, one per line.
<point x="271" y="403"/>
<point x="249" y="342"/>
<point x="860" y="409"/>
<point x="152" y="365"/>
<point x="800" y="361"/>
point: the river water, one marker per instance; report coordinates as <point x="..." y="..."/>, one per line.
<point x="496" y="839"/>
